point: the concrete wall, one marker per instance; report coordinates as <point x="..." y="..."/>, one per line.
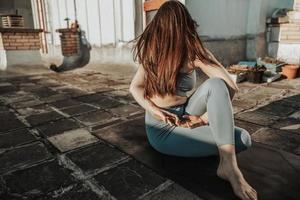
<point x="287" y="52"/>
<point x="219" y="19"/>
<point x="234" y="29"/>
<point x="24" y="58"/>
<point x="259" y="10"/>
<point x="231" y="18"/>
<point x="106" y="23"/>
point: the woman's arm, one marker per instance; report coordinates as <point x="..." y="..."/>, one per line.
<point x="137" y="90"/>
<point x="221" y="72"/>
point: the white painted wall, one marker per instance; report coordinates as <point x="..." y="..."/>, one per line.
<point x="231" y="18"/>
<point x="287" y="52"/>
<point x="233" y="22"/>
<point x="259" y="10"/>
<point x="104" y="21"/>
<point x="219" y="19"/>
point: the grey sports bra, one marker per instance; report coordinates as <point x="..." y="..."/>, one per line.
<point x="185" y="82"/>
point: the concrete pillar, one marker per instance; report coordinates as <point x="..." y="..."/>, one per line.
<point x="256" y="37"/>
<point x="138" y="20"/>
<point x="19" y="47"/>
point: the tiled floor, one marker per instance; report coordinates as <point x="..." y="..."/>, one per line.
<point x="82" y="136"/>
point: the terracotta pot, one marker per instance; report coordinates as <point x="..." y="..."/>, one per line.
<point x="290" y="71"/>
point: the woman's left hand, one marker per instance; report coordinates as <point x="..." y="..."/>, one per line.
<point x="193" y="121"/>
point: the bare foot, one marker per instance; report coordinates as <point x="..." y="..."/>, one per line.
<point x="241" y="188"/>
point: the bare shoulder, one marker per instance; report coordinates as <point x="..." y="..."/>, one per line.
<point x="140" y="68"/>
<point x="139" y="77"/>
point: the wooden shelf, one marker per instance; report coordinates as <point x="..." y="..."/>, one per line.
<point x="153" y="5"/>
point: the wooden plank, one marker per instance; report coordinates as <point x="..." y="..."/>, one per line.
<point x="153" y="5"/>
<point x="12" y="21"/>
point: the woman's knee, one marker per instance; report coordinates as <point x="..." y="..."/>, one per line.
<point x="246" y="138"/>
<point x="242" y="139"/>
<point x="216" y="83"/>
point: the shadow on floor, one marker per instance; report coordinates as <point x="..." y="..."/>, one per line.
<point x="269" y="165"/>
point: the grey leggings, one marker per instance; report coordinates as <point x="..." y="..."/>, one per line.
<point x="211" y="96"/>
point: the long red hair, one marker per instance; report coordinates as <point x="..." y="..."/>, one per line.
<point x="168" y="42"/>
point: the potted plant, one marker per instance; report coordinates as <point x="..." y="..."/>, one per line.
<point x="255" y="74"/>
<point x="290" y="71"/>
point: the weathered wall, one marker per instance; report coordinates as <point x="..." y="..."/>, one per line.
<point x="22" y="6"/>
<point x="19" y="47"/>
<point x="233" y="29"/>
<point x="105" y="23"/>
<point x="219" y="19"/>
<point x="234" y="26"/>
<point x="284" y="39"/>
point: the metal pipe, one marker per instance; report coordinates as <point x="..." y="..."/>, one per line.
<point x="87" y="20"/>
<point x="75" y="10"/>
<point x="100" y="28"/>
<point x="66" y="7"/>
<point x="34" y="13"/>
<point x="44" y="26"/>
<point x="114" y="19"/>
<point x="49" y="21"/>
<point x="58" y="13"/>
<point x="39" y="20"/>
<point x="121" y="20"/>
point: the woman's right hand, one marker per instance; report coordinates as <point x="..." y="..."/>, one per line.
<point x="165" y="116"/>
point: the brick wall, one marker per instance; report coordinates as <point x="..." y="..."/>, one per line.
<point x="21" y="40"/>
<point x="297" y="5"/>
<point x="69" y="41"/>
<point x="290" y="33"/>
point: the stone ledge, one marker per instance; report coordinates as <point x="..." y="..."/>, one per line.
<point x="66" y="30"/>
<point x="20" y="30"/>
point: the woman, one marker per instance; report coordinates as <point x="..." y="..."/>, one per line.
<point x="169" y="51"/>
